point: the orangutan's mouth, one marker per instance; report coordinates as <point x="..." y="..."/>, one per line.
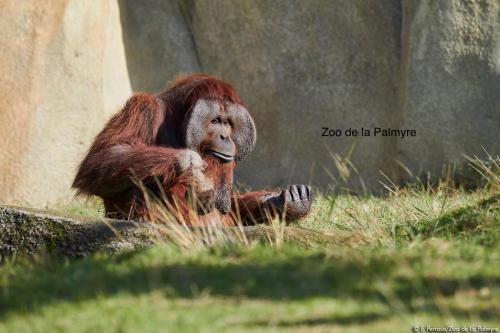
<point x="221" y="156"/>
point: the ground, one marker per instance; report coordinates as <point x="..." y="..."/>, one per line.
<point x="419" y="256"/>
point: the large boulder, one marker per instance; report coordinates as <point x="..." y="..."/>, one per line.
<point x="63" y="73"/>
<point x="452" y="87"/>
<point x="301" y="66"/>
<point x="30" y="232"/>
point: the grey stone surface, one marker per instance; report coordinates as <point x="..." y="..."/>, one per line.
<point x="27" y="232"/>
<point x="452" y="91"/>
<point x="301" y="66"/>
<point x="426" y="65"/>
<point x="158" y="43"/>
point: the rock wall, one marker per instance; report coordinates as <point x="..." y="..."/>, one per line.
<point x="432" y="66"/>
<point x="452" y="87"/>
<point x="301" y="66"/>
<point x="63" y="73"/>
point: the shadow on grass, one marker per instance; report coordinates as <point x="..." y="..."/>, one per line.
<point x="295" y="277"/>
<point x="361" y="318"/>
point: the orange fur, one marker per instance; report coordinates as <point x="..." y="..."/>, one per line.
<point x="140" y="144"/>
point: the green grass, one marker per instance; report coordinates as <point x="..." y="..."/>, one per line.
<point x="81" y="207"/>
<point x="416" y="257"/>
